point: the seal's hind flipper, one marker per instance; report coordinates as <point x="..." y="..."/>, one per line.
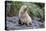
<point x="19" y="21"/>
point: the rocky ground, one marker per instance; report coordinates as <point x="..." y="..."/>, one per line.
<point x="12" y="24"/>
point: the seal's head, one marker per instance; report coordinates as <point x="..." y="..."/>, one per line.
<point x="23" y="9"/>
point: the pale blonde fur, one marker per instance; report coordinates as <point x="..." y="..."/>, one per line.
<point x="24" y="17"/>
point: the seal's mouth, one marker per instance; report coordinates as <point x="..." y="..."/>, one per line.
<point x="25" y="9"/>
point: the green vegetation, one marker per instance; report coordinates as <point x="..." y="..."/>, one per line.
<point x="34" y="9"/>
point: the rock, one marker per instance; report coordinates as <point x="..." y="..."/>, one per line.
<point x="12" y="24"/>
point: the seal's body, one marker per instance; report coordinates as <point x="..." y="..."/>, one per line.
<point x="23" y="15"/>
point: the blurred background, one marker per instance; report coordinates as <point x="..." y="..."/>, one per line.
<point x="35" y="10"/>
